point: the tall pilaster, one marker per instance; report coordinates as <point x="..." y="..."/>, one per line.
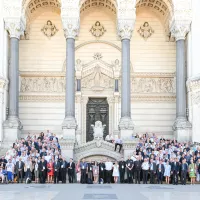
<point x="180" y="26"/>
<point x="71" y="22"/>
<point x="12" y="126"/>
<point x="126" y="19"/>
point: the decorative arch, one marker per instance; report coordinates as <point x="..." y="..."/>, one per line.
<point x="100" y="152"/>
<point x="108" y="4"/>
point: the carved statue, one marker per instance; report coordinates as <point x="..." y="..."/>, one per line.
<point x="49" y="29"/>
<point x="98" y="130"/>
<point x="145" y="30"/>
<point x="97" y="30"/>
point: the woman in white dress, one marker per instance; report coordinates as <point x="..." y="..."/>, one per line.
<point x="167" y="172"/>
<point x="115" y="171"/>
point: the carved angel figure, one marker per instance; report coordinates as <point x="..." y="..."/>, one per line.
<point x="145" y="30"/>
<point x="98" y="130"/>
<point x="97" y="29"/>
<point x="49" y="29"/>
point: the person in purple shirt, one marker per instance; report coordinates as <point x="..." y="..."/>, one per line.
<point x="83" y="166"/>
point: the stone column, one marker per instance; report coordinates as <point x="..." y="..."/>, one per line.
<point x="70" y="15"/>
<point x="181" y="127"/>
<point x="126" y="19"/>
<point x="12" y="126"/>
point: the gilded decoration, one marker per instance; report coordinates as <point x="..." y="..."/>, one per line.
<point x="97" y="30"/>
<point x="145" y="30"/>
<point x="49" y="29"/>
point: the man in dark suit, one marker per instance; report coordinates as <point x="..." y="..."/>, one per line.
<point x="101" y="170"/>
<point x="71" y="170"/>
<point x="152" y="169"/>
<point x="56" y="167"/>
<point x="175" y="171"/>
<point x="129" y="167"/>
<point x="160" y="172"/>
<point x="137" y="169"/>
<point x="184" y="169"/>
<point x="63" y="170"/>
<point x="19" y="170"/>
<point x="122" y="165"/>
<point x="42" y="170"/>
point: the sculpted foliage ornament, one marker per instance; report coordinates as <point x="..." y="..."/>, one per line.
<point x="181" y="20"/>
<point x="126" y="18"/>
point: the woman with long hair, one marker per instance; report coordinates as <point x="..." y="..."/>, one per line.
<point x="167" y="172"/>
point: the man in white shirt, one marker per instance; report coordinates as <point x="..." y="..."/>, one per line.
<point x="118" y="142"/>
<point x="10" y="170"/>
<point x="109" y="166"/>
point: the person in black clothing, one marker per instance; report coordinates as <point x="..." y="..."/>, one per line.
<point x="63" y="170"/>
<point x="184" y="169"/>
<point x="175" y="167"/>
<point x="122" y="165"/>
<point x="152" y="169"/>
<point x="101" y="170"/>
<point x="3" y="162"/>
<point x="160" y="172"/>
<point x="71" y="170"/>
<point x="42" y="170"/>
<point x="129" y="167"/>
<point x="89" y="172"/>
<point x="56" y="167"/>
<point x="137" y="167"/>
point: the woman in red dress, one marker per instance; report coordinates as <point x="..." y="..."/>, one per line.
<point x="50" y="171"/>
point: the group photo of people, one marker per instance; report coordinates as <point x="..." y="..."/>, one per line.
<point x="155" y="160"/>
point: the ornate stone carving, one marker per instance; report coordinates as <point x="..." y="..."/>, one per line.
<point x="49" y="29"/>
<point x="125" y="18"/>
<point x="99" y="147"/>
<point x="152" y="85"/>
<point x="181" y="124"/>
<point x="97" y="30"/>
<point x="15" y="26"/>
<point x="97" y="56"/>
<point x="69" y="123"/>
<point x="145" y="30"/>
<point x="194" y="88"/>
<point x="43" y="84"/>
<point x="126" y="124"/>
<point x="181" y="20"/>
<point x="70" y="15"/>
<point x="98" y="129"/>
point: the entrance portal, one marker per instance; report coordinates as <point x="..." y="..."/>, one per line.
<point x="97" y="110"/>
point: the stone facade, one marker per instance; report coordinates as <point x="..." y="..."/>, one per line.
<point x="123" y="52"/>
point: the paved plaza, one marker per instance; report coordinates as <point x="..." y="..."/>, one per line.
<point x="92" y="192"/>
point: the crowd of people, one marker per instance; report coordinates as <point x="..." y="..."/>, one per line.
<point x="154" y="160"/>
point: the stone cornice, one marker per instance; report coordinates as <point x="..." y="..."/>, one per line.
<point x="62" y="74"/>
<point x="61" y="98"/>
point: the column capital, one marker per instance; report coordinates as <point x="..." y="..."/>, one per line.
<point x="181" y="19"/>
<point x="126" y="18"/>
<point x="70" y="15"/>
<point x="15" y="26"/>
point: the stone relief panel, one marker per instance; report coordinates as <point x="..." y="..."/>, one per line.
<point x="152" y="85"/>
<point x="49" y="29"/>
<point x="97" y="30"/>
<point x="145" y="31"/>
<point x="42" y="84"/>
